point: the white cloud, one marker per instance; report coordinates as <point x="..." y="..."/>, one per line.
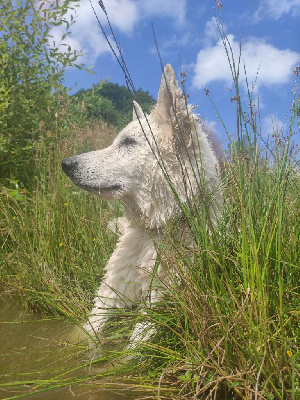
<point x="176" y="41"/>
<point x="211" y="31"/>
<point x="271" y="125"/>
<point x="272" y="65"/>
<point x="211" y="126"/>
<point x="123" y="15"/>
<point x="275" y="9"/>
<point x="85" y="34"/>
<point x="175" y="10"/>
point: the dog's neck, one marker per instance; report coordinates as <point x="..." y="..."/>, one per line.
<point x="135" y="220"/>
<point x="154" y="212"/>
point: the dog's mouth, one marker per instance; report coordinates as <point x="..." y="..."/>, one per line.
<point x="105" y="190"/>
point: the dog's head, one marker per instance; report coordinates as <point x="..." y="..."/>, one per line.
<point x="148" y="160"/>
<point x="114" y="171"/>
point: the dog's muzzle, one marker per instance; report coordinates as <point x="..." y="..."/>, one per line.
<point x="68" y="164"/>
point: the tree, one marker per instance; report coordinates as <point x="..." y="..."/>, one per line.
<point x="32" y="68"/>
<point x="113" y="103"/>
<point x="122" y="98"/>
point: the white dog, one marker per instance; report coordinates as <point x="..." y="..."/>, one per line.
<point x="157" y="164"/>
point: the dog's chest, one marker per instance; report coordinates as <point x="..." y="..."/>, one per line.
<point x="134" y="253"/>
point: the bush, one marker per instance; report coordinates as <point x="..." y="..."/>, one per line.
<point x="32" y="69"/>
<point x="112" y="103"/>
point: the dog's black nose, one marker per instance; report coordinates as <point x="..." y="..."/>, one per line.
<point x="68" y="164"/>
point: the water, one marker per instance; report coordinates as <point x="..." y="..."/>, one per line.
<point x="35" y="349"/>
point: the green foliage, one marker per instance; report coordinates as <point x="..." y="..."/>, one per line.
<point x="4" y="102"/>
<point x="48" y="241"/>
<point x="112" y="103"/>
<point x="94" y="107"/>
<point x="33" y="100"/>
<point x="228" y="326"/>
<point x="122" y="98"/>
<point x="32" y="67"/>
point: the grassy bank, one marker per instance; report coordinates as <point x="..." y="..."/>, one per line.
<point x="229" y="324"/>
<point x="230" y="328"/>
<point x="54" y="239"/>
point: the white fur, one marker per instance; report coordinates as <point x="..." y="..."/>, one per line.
<point x="151" y="160"/>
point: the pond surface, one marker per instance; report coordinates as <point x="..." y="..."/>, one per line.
<point x="35" y="350"/>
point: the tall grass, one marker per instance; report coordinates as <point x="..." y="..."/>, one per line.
<point x="54" y="239"/>
<point x="235" y="315"/>
<point x="230" y="329"/>
<point x="229" y="324"/>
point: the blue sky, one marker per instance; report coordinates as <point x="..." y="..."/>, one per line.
<point x="268" y="30"/>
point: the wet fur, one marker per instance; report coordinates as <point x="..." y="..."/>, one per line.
<point x="130" y="171"/>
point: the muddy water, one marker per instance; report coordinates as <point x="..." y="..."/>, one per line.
<point x="34" y="349"/>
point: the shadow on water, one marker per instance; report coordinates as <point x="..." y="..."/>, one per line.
<point x="36" y="353"/>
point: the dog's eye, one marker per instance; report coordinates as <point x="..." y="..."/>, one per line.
<point x="127" y="141"/>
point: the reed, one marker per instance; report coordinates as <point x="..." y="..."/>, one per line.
<point x="229" y="323"/>
<point x="54" y="239"/>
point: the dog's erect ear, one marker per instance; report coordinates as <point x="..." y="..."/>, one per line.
<point x="171" y="105"/>
<point x="169" y="93"/>
<point x="137" y="111"/>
